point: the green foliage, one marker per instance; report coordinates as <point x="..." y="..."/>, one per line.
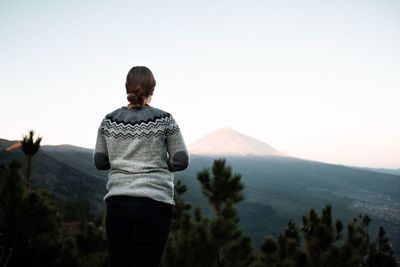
<point x="91" y="245"/>
<point x="324" y="244"/>
<point x="31" y="232"/>
<point x="189" y="235"/>
<point x="12" y="192"/>
<point x="285" y="250"/>
<point x="30" y="146"/>
<point x="74" y="211"/>
<point x="197" y="240"/>
<point x="223" y="187"/>
<point x="380" y="253"/>
<point x="30" y="224"/>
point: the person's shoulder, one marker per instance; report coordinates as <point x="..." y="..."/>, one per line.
<point x="166" y="118"/>
<point x="145" y="114"/>
<point x="159" y="112"/>
<point x="116" y="112"/>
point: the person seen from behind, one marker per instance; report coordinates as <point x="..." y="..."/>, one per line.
<point x="142" y="146"/>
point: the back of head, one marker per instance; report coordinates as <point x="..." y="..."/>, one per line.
<point x="139" y="85"/>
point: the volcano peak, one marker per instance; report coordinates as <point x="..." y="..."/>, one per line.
<point x="229" y="142"/>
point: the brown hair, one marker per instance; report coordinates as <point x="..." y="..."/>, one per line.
<point x="139" y="85"/>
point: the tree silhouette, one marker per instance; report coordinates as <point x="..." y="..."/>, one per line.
<point x="324" y="244"/>
<point x="30" y="146"/>
<point x="91" y="245"/>
<point x="198" y="240"/>
<point x="12" y="192"/>
<point x="188" y="234"/>
<point x="224" y="190"/>
<point x="30" y="224"/>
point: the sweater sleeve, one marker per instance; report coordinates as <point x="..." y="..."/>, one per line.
<point x="178" y="156"/>
<point x="100" y="155"/>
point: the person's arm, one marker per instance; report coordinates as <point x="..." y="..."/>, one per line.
<point x="100" y="155"/>
<point x="178" y="159"/>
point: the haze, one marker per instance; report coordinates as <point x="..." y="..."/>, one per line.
<point x="314" y="79"/>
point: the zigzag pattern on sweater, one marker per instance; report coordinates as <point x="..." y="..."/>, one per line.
<point x="153" y="119"/>
<point x="158" y="126"/>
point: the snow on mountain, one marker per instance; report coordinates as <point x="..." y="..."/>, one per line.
<point x="228" y="142"/>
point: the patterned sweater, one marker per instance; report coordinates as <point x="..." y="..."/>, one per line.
<point x="142" y="148"/>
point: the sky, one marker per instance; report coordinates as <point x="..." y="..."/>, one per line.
<point x="318" y="80"/>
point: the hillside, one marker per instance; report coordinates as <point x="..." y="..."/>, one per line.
<point x="75" y="157"/>
<point x="64" y="174"/>
<point x="276" y="188"/>
<point x="291" y="186"/>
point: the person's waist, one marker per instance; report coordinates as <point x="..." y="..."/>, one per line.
<point x="138" y="200"/>
<point x="133" y="170"/>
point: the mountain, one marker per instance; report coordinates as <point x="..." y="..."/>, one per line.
<point x="228" y="142"/>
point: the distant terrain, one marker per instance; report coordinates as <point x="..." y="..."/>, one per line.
<point x="383" y="170"/>
<point x="277" y="188"/>
<point x="288" y="187"/>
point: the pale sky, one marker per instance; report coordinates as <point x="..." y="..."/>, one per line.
<point x="318" y="80"/>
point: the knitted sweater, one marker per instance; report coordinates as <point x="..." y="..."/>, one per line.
<point x="142" y="148"/>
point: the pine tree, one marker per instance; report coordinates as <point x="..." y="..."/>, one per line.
<point x="189" y="235"/>
<point x="91" y="245"/>
<point x="199" y="241"/>
<point x="30" y="224"/>
<point x="284" y="250"/>
<point x="381" y="253"/>
<point x="223" y="189"/>
<point x="324" y="244"/>
<point x="12" y="194"/>
<point x="30" y="146"/>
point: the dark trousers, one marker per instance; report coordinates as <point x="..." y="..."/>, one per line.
<point x="137" y="230"/>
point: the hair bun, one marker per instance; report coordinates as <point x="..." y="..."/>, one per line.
<point x="135" y="101"/>
<point x="133" y="98"/>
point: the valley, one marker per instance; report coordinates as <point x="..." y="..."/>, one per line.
<point x="277" y="188"/>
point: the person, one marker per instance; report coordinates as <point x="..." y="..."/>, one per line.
<point x="142" y="146"/>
